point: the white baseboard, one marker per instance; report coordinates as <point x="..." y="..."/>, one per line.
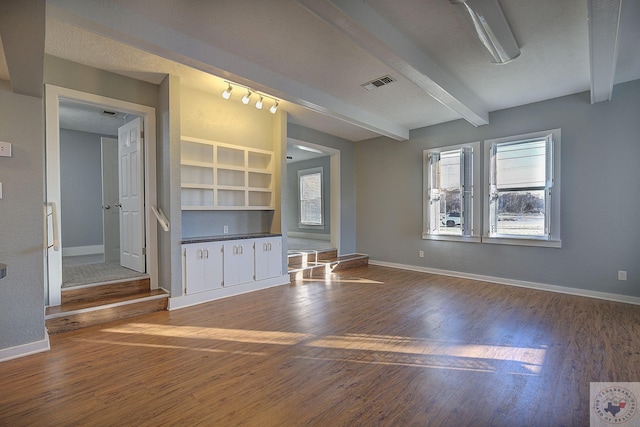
<point x="83" y="250"/>
<point x="202" y="297"/>
<point x="315" y="236"/>
<point x="511" y="282"/>
<point x="25" y="349"/>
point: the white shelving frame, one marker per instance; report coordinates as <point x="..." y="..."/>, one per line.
<point x="219" y="176"/>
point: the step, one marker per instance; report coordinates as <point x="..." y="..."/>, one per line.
<point x="90" y="311"/>
<point x="306" y="256"/>
<point x="98" y="291"/>
<point x="324" y="267"/>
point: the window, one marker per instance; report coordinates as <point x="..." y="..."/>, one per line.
<point x="451" y="207"/>
<point x="310" y="184"/>
<point x="523" y="189"/>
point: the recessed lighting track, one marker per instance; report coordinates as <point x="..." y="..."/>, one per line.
<point x="247" y="97"/>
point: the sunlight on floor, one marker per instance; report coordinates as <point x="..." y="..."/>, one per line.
<point x="360" y="348"/>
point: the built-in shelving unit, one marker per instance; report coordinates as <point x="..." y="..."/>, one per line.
<point x="218" y="176"/>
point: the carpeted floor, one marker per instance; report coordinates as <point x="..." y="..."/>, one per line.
<point x="76" y="273"/>
<point x="299" y="244"/>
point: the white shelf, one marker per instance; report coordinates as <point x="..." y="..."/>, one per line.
<point x="218" y="176"/>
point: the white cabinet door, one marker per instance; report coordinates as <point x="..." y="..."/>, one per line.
<point x="238" y="262"/>
<point x="203" y="266"/>
<point x="268" y="257"/>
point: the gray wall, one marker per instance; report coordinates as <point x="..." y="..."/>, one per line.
<point x="293" y="205"/>
<point x="168" y="174"/>
<point x="22" y="225"/>
<point x="81" y="188"/>
<point x="600" y="196"/>
<point x="347" y="179"/>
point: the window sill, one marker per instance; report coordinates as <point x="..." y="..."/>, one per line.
<point x="523" y="242"/>
<point x="470" y="239"/>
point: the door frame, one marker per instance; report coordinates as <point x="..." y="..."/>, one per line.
<point x="334" y="179"/>
<point x="53" y="94"/>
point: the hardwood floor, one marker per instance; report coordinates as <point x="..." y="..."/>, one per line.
<point x="370" y="346"/>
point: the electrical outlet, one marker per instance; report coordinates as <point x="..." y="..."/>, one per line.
<point x="622" y="275"/>
<point x="5" y="149"/>
<point x="225" y="229"/>
<point x="421" y="254"/>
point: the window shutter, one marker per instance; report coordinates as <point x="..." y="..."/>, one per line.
<point x="434" y="192"/>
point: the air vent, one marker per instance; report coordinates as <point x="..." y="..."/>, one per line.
<point x="381" y="81"/>
<point x="109" y="113"/>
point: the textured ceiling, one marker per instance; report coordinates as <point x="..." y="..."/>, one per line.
<point x="317" y="66"/>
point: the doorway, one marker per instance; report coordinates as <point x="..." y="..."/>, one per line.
<point x="302" y="152"/>
<point x="55" y="206"/>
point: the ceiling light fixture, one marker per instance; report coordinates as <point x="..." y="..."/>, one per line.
<point x="246" y="98"/>
<point x="227" y="93"/>
<point x="492" y="28"/>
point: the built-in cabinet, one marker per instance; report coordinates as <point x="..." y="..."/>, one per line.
<point x="239" y="260"/>
<point x="268" y="258"/>
<point x="203" y="266"/>
<point x="220" y="264"/>
<point x="217" y="176"/>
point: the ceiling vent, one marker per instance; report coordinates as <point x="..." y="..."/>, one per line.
<point x="109" y="113"/>
<point x="380" y="81"/>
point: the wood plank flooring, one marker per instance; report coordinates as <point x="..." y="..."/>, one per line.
<point x="371" y="346"/>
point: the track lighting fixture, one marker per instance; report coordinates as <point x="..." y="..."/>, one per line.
<point x="247" y="97"/>
<point x="227" y="93"/>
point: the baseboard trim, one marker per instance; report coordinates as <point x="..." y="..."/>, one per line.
<point x="511" y="282"/>
<point x="231" y="291"/>
<point x="25" y="349"/>
<point x="83" y="250"/>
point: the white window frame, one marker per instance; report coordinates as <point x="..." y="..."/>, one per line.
<point x="302" y="173"/>
<point x="552" y="192"/>
<point x="470" y="193"/>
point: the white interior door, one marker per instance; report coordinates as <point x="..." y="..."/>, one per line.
<point x="131" y="197"/>
<point x="110" y="196"/>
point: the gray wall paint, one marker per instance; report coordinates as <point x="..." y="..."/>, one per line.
<point x="211" y="223"/>
<point x="293" y="205"/>
<point x="168" y="172"/>
<point x="22" y="226"/>
<point x="600" y="176"/>
<point x="72" y="75"/>
<point x="347" y="179"/>
<point x="81" y="188"/>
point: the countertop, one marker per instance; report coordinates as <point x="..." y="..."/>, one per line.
<point x="3" y="270"/>
<point x="225" y="237"/>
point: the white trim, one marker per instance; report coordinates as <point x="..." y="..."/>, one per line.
<point x="83" y="250"/>
<point x="25" y="349"/>
<point x="53" y="94"/>
<point x="512" y="282"/>
<point x="315" y="236"/>
<point x="231" y="291"/>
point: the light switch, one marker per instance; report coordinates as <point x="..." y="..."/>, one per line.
<point x="5" y="149"/>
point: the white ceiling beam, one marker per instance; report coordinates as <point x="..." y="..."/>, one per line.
<point x="22" y="24"/>
<point x="140" y="32"/>
<point x="385" y="42"/>
<point x="604" y="30"/>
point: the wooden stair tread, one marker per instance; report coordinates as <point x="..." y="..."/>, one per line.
<point x="103" y="301"/>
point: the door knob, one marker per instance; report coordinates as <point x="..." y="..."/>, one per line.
<point x="118" y="205"/>
<point x="107" y="207"/>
